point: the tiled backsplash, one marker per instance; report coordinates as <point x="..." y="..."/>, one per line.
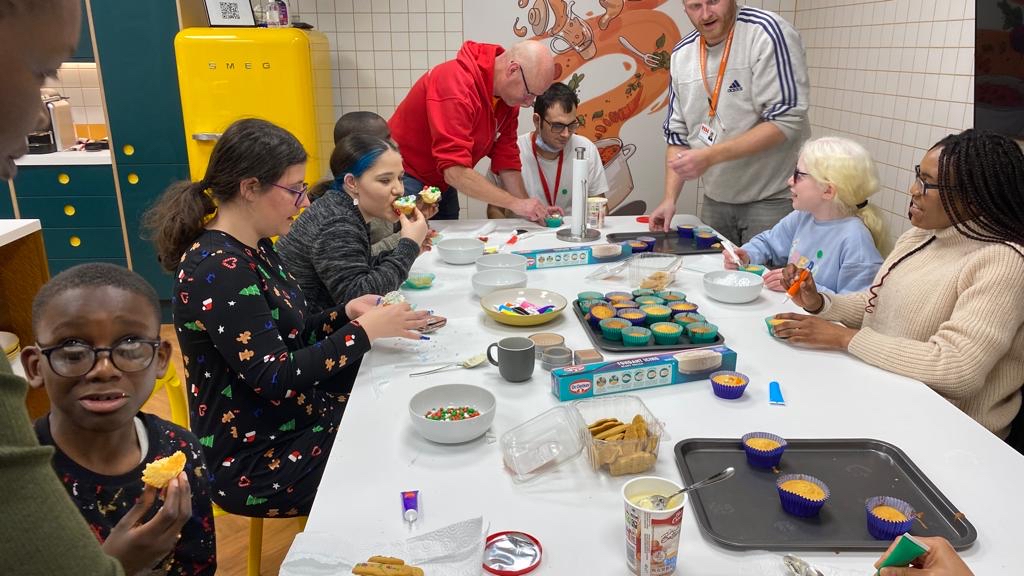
<point x="80" y="84"/>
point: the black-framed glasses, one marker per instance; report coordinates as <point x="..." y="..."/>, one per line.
<point x="523" y="75"/>
<point x="558" y="127"/>
<point x="923" y="186"/>
<point x="798" y="175"/>
<point x="299" y="194"/>
<point x="72" y="359"/>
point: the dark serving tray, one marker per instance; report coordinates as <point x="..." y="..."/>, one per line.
<point x="615" y="346"/>
<point x="668" y="242"/>
<point x="744" y="512"/>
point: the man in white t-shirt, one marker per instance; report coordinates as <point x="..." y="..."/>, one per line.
<point x="548" y="151"/>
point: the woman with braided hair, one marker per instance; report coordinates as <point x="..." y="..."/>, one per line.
<point x="946" y="307"/>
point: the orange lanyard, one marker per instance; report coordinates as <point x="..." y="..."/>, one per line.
<point x="713" y="96"/>
<point x="551" y="198"/>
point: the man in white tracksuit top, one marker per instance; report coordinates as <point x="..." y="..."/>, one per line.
<point x="747" y="148"/>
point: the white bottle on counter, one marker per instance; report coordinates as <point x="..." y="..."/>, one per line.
<point x="273" y="14"/>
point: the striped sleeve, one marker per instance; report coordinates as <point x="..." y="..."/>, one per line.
<point x="674" y="126"/>
<point x="781" y="85"/>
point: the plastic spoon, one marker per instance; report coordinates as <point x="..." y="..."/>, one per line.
<point x="659" y="502"/>
<point x="471" y="362"/>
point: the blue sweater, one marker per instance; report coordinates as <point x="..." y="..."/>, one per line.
<point x="849" y="258"/>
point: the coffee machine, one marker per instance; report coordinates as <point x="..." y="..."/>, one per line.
<point x="59" y="133"/>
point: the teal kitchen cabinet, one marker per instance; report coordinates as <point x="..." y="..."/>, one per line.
<point x="83" y="52"/>
<point x="6" y="206"/>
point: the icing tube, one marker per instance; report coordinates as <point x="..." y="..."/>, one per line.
<point x="411" y="505"/>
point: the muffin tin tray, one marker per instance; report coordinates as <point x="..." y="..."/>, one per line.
<point x="603" y="343"/>
<point x="744" y="513"/>
<point x="667" y="242"/>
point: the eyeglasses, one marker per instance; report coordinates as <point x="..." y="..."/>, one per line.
<point x="299" y="194"/>
<point x="558" y="127"/>
<point x="923" y="186"/>
<point x="797" y="174"/>
<point x="73" y="358"/>
<point x="528" y="92"/>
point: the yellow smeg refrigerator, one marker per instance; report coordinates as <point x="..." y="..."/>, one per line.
<point x="282" y="75"/>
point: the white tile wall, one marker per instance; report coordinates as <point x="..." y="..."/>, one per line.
<point x="895" y="75"/>
<point x="80" y="83"/>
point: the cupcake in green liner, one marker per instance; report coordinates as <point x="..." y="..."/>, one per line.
<point x="589" y="295"/>
<point x="618" y="296"/>
<point x="672" y="296"/>
<point x="656" y="313"/>
<point x="623" y="304"/>
<point x="636" y="336"/>
<point x="635" y="316"/>
<point x="702" y="332"/>
<point x="586" y="305"/>
<point x="801" y="495"/>
<point x="645" y="300"/>
<point x="684" y="319"/>
<point x="611" y="328"/>
<point x="666" y="332"/>
<point x="599" y="312"/>
<point x="680" y="306"/>
<point x="888" y="517"/>
<point x="553" y="221"/>
<point x="643" y="292"/>
<point x="772" y="322"/>
<point x="754" y="269"/>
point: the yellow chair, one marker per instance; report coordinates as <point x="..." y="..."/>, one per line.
<point x="178" y="398"/>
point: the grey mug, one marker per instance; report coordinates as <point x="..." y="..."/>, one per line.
<point x="515" y="358"/>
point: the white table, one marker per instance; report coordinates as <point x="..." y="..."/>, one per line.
<point x="577" y="514"/>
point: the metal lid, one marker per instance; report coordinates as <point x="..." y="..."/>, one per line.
<point x="511" y="553"/>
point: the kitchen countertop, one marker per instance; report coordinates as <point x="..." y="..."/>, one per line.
<point x="11" y="230"/>
<point x="65" y="159"/>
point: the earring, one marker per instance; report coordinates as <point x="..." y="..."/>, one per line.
<point x="355" y="200"/>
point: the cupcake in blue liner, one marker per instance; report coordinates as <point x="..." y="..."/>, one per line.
<point x="686" y="231"/>
<point x="624" y="304"/>
<point x="642" y="292"/>
<point x="638" y="246"/>
<point x="764" y="450"/>
<point x="611" y="328"/>
<point x="586" y="305"/>
<point x="636" y="336"/>
<point x="801" y="495"/>
<point x="888" y="517"/>
<point x="649" y="240"/>
<point x="728" y="385"/>
<point x="618" y="296"/>
<point x="635" y="316"/>
<point x="589" y="295"/>
<point x="645" y="300"/>
<point x="706" y="239"/>
<point x="680" y="306"/>
<point x="599" y="312"/>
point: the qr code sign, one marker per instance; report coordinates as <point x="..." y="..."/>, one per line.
<point x="229" y="11"/>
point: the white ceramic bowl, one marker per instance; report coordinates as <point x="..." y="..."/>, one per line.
<point x="495" y="261"/>
<point x="447" y="396"/>
<point x="460" y="250"/>
<point x="733" y="286"/>
<point x="490" y="280"/>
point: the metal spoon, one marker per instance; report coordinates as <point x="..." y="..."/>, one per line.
<point x="799" y="567"/>
<point x="471" y="362"/>
<point x="659" y="502"/>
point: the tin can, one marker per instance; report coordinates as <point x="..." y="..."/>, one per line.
<point x="652" y="536"/>
<point x="596" y="208"/>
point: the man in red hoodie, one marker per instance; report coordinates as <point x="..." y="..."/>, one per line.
<point x="468" y="108"/>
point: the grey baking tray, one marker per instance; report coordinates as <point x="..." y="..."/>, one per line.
<point x="603" y="343"/>
<point x="667" y="242"/>
<point x="744" y="512"/>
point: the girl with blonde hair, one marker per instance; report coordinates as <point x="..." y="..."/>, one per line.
<point x="831" y="224"/>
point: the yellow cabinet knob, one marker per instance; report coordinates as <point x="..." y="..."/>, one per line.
<point x="75" y="241"/>
<point x="69" y="210"/>
<point x="63" y="178"/>
<point x="128" y="149"/>
<point x="133" y="178"/>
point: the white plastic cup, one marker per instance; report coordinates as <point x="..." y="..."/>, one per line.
<point x="652" y="537"/>
<point x="596" y="208"/>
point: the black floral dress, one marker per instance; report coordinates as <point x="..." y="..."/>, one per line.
<point x="267" y="382"/>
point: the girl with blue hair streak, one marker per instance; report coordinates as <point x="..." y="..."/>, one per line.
<point x="328" y="249"/>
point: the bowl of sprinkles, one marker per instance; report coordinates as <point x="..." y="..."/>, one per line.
<point x="452" y="413"/>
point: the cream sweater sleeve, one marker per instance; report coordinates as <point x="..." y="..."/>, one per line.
<point x="956" y="360"/>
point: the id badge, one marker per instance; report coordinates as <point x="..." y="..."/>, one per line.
<point x="707" y="134"/>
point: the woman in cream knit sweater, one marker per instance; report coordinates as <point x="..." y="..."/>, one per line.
<point x="947" y="306"/>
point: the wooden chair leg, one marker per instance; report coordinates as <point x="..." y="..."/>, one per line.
<point x="255" y="546"/>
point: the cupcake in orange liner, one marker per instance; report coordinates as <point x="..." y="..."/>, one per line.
<point x="729" y="385"/>
<point x="888" y="517"/>
<point x="405" y="205"/>
<point x="763" y="449"/>
<point x="802" y="495"/>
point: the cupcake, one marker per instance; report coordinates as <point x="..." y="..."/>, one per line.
<point x="589" y="295"/>
<point x="636" y="336"/>
<point x="599" y="312"/>
<point x="729" y="385"/>
<point x="405" y="205"/>
<point x="685" y="231"/>
<point x="553" y="221"/>
<point x="656" y="313"/>
<point x="645" y="300"/>
<point x="649" y="240"/>
<point x="754" y="269"/>
<point x="678" y="306"/>
<point x="586" y="305"/>
<point x="888" y="517"/>
<point x="706" y="239"/>
<point x="623" y="304"/>
<point x="772" y="322"/>
<point x="763" y="450"/>
<point x="419" y="281"/>
<point x="430" y="194"/>
<point x="684" y="319"/>
<point x="666" y="333"/>
<point x="672" y="296"/>
<point x="617" y="296"/>
<point x="702" y="332"/>
<point x="635" y="316"/>
<point x="643" y="292"/>
<point x="611" y="328"/>
<point x="638" y="246"/>
<point x="801" y="495"/>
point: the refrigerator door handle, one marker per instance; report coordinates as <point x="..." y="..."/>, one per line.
<point x="206" y="136"/>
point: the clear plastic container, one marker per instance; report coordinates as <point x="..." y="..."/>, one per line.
<point x="632" y="450"/>
<point x="543" y="443"/>
<point x="659" y="270"/>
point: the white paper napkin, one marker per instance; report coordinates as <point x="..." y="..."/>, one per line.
<point x="455" y="550"/>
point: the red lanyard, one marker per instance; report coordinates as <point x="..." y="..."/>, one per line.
<point x="544" y="181"/>
<point x="713" y="96"/>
